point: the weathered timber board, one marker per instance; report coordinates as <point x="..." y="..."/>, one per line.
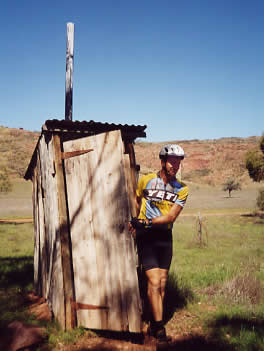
<point x="40" y="219"/>
<point x="50" y="252"/>
<point x="102" y="249"/>
<point x="132" y="259"/>
<point x="88" y="281"/>
<point x="63" y="234"/>
<point x="37" y="277"/>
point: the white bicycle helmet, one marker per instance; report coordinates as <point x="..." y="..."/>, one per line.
<point x="171" y="150"/>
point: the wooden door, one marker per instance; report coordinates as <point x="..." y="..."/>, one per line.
<point x="104" y="259"/>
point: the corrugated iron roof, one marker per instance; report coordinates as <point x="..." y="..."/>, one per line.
<point x="128" y="132"/>
<point x="92" y="127"/>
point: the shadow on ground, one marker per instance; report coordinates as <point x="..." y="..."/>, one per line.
<point x="16" y="272"/>
<point x="137" y="343"/>
<point x="176" y="297"/>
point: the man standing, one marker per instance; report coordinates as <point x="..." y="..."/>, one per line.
<point x="160" y="198"/>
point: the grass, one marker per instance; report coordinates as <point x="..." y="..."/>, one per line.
<point x="203" y="198"/>
<point x="17" y="203"/>
<point x="16" y="280"/>
<point x="16" y="270"/>
<point x="215" y="288"/>
<point x="226" y="273"/>
<point x="233" y="241"/>
<point x="16" y="240"/>
<point x="214" y="199"/>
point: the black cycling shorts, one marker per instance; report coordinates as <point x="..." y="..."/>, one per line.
<point x="154" y="248"/>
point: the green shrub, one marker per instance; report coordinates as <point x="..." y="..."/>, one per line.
<point x="255" y="162"/>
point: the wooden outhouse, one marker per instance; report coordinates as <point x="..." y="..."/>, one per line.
<point x="85" y="263"/>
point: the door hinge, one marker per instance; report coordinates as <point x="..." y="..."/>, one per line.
<point x="65" y="155"/>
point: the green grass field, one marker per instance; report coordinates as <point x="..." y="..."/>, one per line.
<point x="216" y="283"/>
<point x="224" y="270"/>
<point x="16" y="270"/>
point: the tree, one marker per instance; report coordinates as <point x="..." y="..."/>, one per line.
<point x="231" y="185"/>
<point x="255" y="162"/>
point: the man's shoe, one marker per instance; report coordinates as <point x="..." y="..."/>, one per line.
<point x="158" y="331"/>
<point x="150" y="331"/>
<point x="161" y="336"/>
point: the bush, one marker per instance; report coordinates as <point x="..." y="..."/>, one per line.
<point x="244" y="288"/>
<point x="255" y="165"/>
<point x="260" y="199"/>
<point x="255" y="162"/>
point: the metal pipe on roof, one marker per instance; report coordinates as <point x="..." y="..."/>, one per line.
<point x="69" y="71"/>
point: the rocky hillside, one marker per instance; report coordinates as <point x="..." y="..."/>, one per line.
<point x="16" y="148"/>
<point x="207" y="161"/>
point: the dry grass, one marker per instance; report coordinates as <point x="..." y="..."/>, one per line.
<point x="244" y="289"/>
<point x="17" y="203"/>
<point x="205" y="197"/>
<point x="16" y="148"/>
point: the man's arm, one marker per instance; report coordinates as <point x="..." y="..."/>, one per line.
<point x="137" y="207"/>
<point x="138" y="204"/>
<point x="168" y="218"/>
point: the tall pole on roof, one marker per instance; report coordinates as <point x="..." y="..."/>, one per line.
<point x="69" y="71"/>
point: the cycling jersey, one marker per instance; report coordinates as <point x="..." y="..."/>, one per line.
<point x="158" y="197"/>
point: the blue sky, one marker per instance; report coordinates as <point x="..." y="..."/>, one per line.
<point x="187" y="69"/>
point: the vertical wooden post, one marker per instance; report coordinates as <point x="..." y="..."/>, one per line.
<point x="66" y="257"/>
<point x="133" y="171"/>
<point x="69" y="71"/>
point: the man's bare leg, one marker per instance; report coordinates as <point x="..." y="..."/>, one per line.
<point x="163" y="282"/>
<point x="154" y="293"/>
<point x="157" y="279"/>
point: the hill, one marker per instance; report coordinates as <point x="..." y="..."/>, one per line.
<point x="16" y="148"/>
<point x="208" y="161"/>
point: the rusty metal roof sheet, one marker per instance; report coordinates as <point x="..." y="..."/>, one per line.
<point x="85" y="128"/>
<point x="92" y="127"/>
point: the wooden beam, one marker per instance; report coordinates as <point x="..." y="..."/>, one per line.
<point x="64" y="234"/>
<point x="69" y="71"/>
<point x="134" y="169"/>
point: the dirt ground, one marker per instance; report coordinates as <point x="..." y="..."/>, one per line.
<point x="179" y="328"/>
<point x="189" y="340"/>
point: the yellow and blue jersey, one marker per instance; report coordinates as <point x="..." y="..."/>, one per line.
<point x="158" y="197"/>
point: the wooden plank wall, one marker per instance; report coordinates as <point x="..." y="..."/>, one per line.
<point x="37" y="274"/>
<point x="103" y="253"/>
<point x="48" y="269"/>
<point x="63" y="233"/>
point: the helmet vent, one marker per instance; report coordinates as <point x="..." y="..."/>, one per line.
<point x="171" y="150"/>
